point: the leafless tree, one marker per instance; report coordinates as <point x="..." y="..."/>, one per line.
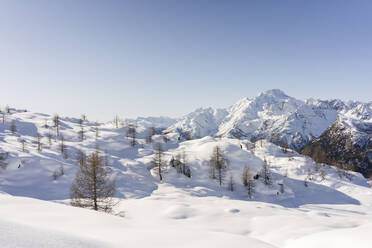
<point x="165" y="138"/>
<point x="61" y="170"/>
<point x="116" y="121"/>
<point x="55" y="175"/>
<point x="218" y="165"/>
<point x="3" y="157"/>
<point x="97" y="132"/>
<point x="49" y="136"/>
<point x="3" y="115"/>
<point x="151" y="133"/>
<point x="180" y="164"/>
<point x="81" y="157"/>
<point x="82" y="133"/>
<point x="13" y="127"/>
<point x="322" y="174"/>
<point x="38" y="142"/>
<point x="266" y="173"/>
<point x="157" y="160"/>
<point x="248" y="181"/>
<point x="63" y="147"/>
<point x="92" y="187"/>
<point x="56" y="122"/>
<point x="231" y="184"/>
<point x="23" y="143"/>
<point x="132" y="133"/>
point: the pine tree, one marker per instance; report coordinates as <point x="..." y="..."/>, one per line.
<point x="218" y="165"/>
<point x="92" y="187"/>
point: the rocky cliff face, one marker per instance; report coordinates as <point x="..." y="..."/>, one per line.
<point x="348" y="141"/>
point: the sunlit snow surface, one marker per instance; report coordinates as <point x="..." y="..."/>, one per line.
<point x="178" y="212"/>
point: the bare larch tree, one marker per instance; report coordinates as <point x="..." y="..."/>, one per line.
<point x="56" y="123"/>
<point x="157" y="160"/>
<point x="13" y="127"/>
<point x="218" y="165"/>
<point x="132" y="133"/>
<point x="92" y="187"/>
<point x="248" y="181"/>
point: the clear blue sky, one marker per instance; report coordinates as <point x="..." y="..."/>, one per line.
<point x="140" y="58"/>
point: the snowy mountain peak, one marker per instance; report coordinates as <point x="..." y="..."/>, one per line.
<point x="275" y="93"/>
<point x="271" y="115"/>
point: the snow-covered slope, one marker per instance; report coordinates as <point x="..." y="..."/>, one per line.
<point x="200" y="123"/>
<point x="195" y="212"/>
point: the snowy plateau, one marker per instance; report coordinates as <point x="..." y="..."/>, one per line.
<point x="307" y="204"/>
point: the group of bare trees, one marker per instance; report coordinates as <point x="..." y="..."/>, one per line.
<point x="218" y="171"/>
<point x="179" y="162"/>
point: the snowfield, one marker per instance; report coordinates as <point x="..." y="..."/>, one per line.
<point x="307" y="211"/>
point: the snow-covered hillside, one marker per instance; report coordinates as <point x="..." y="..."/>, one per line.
<point x="303" y="197"/>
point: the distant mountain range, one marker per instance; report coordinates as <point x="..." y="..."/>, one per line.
<point x="301" y="125"/>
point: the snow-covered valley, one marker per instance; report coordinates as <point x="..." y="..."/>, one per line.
<point x="306" y="204"/>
